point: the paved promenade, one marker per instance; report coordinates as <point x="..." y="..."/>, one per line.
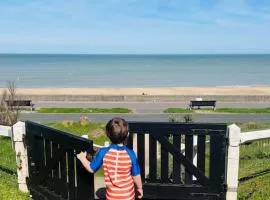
<point x="147" y="112"/>
<point x="147" y="107"/>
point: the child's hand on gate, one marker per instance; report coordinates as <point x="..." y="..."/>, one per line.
<point x="81" y="155"/>
<point x="140" y="193"/>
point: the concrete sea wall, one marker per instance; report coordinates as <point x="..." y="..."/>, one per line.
<point x="145" y="98"/>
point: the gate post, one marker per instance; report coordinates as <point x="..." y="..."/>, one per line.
<point x="233" y="162"/>
<point x="21" y="155"/>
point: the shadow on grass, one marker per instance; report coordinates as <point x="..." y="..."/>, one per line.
<point x="8" y="171"/>
<point x="254" y="175"/>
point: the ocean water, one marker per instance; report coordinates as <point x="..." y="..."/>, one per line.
<point x="134" y="70"/>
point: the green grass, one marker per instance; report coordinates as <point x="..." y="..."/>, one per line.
<point x="84" y="110"/>
<point x="255" y="160"/>
<point x="8" y="174"/>
<point x="252" y="126"/>
<point x="219" y="110"/>
<point x="77" y="128"/>
<point x="178" y="110"/>
<point x="243" y="110"/>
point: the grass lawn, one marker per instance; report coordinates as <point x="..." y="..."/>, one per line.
<point x="254" y="159"/>
<point x="84" y="110"/>
<point x="95" y="131"/>
<point x="8" y="174"/>
<point x="243" y="110"/>
<point x="219" y="110"/>
<point x="178" y="110"/>
<point x="252" y="126"/>
<point x="255" y="162"/>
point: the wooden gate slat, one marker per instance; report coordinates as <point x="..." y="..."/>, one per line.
<point x="141" y="154"/>
<point x="176" y="191"/>
<point x="63" y="187"/>
<point x="164" y="163"/>
<point x="72" y="190"/>
<point x="38" y="162"/>
<point x="152" y="159"/>
<point x="176" y="164"/>
<point x="201" y="153"/>
<point x="189" y="156"/>
<point x="40" y="156"/>
<point x="56" y="170"/>
<point x="217" y="163"/>
<point x="84" y="192"/>
<point x="130" y="141"/>
<point x="48" y="170"/>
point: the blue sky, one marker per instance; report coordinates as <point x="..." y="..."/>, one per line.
<point x="135" y="26"/>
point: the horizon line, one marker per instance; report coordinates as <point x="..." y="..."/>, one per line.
<point x="137" y="54"/>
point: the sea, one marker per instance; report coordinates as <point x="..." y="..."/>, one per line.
<point x="57" y="70"/>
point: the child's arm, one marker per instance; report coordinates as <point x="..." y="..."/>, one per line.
<point x="138" y="183"/>
<point x="82" y="157"/>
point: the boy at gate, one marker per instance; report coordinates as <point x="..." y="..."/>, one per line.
<point x="121" y="168"/>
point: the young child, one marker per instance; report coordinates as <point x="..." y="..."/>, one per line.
<point x="121" y="168"/>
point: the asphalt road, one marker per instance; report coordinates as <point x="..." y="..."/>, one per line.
<point x="207" y="118"/>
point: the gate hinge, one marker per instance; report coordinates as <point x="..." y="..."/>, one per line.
<point x="225" y="187"/>
<point x="227" y="141"/>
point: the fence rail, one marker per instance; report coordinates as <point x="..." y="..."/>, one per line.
<point x="254" y="135"/>
<point x="5" y="131"/>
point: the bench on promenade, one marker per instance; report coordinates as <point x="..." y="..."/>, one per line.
<point x="201" y="103"/>
<point x="20" y="103"/>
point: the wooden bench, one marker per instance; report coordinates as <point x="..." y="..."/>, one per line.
<point x="20" y="103"/>
<point x="202" y="103"/>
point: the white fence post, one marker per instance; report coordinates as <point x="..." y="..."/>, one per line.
<point x="233" y="162"/>
<point x="21" y="155"/>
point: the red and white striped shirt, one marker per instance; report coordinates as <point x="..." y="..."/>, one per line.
<point x="120" y="164"/>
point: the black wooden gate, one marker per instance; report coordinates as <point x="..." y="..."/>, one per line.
<point x="54" y="171"/>
<point x="173" y="175"/>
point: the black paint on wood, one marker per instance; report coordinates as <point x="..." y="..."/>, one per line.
<point x="141" y="153"/>
<point x="152" y="159"/>
<point x="176" y="165"/>
<point x="189" y="156"/>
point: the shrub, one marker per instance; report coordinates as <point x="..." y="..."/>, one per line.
<point x="9" y="115"/>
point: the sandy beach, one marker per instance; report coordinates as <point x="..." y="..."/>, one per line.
<point x="196" y="91"/>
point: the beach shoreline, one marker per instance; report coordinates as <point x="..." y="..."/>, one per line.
<point x="149" y="91"/>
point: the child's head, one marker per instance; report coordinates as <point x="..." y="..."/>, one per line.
<point x="117" y="130"/>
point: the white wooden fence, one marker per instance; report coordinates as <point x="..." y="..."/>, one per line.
<point x="236" y="138"/>
<point x="5" y="131"/>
